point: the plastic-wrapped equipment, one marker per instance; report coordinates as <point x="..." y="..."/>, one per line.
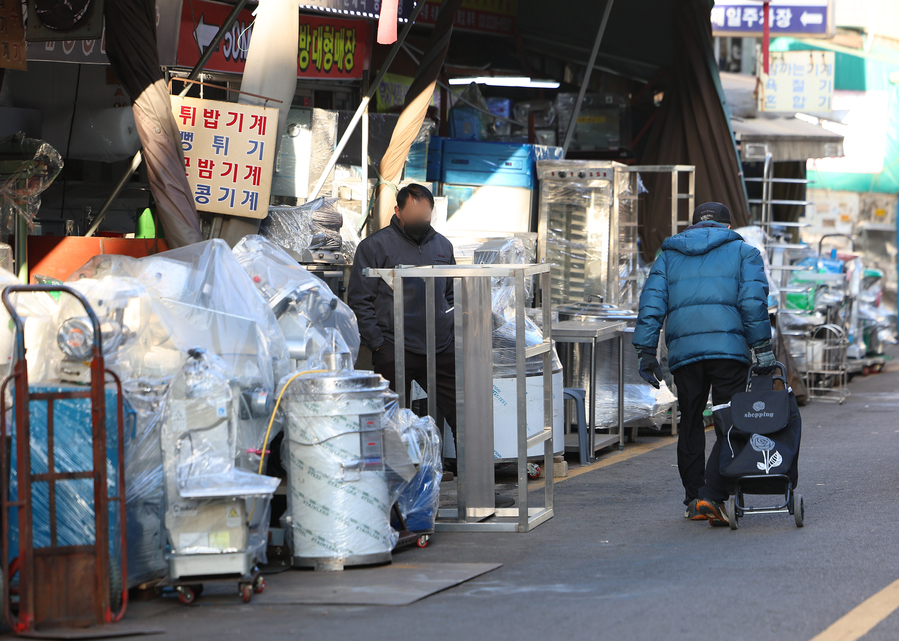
<point x="216" y="514"/>
<point x="419" y="501"/>
<point x="72" y="444"/>
<point x="644" y="406"/>
<point x="314" y="232"/>
<point x="505" y="349"/>
<point x="587" y="233"/>
<point x="319" y="328"/>
<point x="28" y="167"/>
<point x="467" y="122"/>
<point x="346" y="464"/>
<point x="209" y="302"/>
<point x="756" y="237"/>
<point x="195" y="297"/>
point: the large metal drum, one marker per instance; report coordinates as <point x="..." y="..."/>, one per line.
<point x="338" y="497"/>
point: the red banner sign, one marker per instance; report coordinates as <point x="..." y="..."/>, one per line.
<point x="328" y="47"/>
<point x="488" y="16"/>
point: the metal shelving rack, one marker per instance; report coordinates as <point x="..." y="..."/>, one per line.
<point x="474" y="389"/>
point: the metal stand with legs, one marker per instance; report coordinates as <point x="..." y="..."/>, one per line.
<point x="474" y="389"/>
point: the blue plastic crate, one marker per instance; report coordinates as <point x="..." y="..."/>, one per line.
<point x="488" y="163"/>
<point x="435" y="158"/>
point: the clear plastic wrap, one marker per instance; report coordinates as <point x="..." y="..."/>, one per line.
<point x="210" y="501"/>
<point x="324" y="141"/>
<point x="72" y="452"/>
<point x="756" y="237"/>
<point x="21" y="187"/>
<point x="419" y="501"/>
<point x="466" y="243"/>
<point x="209" y="301"/>
<point x="644" y="406"/>
<point x="544" y="112"/>
<point x="198" y="296"/>
<point x="319" y="328"/>
<point x="469" y="122"/>
<point x="510" y="251"/>
<point x="416" y="166"/>
<point x="6" y="258"/>
<point x="346" y="465"/>
<point x="144" y="488"/>
<point x="577" y="221"/>
<point x="314" y="232"/>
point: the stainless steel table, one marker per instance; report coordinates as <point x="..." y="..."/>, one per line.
<point x="591" y="333"/>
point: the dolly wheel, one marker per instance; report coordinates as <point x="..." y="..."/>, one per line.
<point x="533" y="471"/>
<point x="258" y="585"/>
<point x="423" y="541"/>
<point x="186" y="594"/>
<point x="246" y="592"/>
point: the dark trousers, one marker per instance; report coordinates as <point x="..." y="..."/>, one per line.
<point x="384" y="363"/>
<point x="725" y="377"/>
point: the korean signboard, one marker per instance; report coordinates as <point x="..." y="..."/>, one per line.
<point x="229" y="151"/>
<point x="800" y="18"/>
<point x="12" y="35"/>
<point x="489" y="16"/>
<point x="798" y="81"/>
<point x="328" y="47"/>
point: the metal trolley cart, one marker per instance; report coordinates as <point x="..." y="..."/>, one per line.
<point x="65" y="471"/>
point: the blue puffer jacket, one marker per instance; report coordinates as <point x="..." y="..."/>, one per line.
<point x="711" y="286"/>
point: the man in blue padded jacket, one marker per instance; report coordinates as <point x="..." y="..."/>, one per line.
<point x="711" y="287"/>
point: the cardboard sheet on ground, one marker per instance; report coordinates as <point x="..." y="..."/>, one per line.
<point x="396" y="584"/>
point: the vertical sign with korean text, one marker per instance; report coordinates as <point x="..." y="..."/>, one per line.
<point x="12" y="35"/>
<point x="797" y="81"/>
<point x="229" y="151"/>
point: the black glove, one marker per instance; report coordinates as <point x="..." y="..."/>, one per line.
<point x="764" y="355"/>
<point x="650" y="370"/>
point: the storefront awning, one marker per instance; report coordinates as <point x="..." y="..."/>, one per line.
<point x="786" y="139"/>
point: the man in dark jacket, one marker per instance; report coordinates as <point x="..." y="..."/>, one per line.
<point x="408" y="240"/>
<point x="711" y="287"/>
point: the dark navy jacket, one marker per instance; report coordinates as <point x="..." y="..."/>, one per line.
<point x="711" y="285"/>
<point x="372" y="300"/>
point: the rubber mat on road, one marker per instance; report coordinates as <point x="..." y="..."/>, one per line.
<point x="396" y="584"/>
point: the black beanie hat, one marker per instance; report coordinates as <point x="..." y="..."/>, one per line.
<point x="716" y="212"/>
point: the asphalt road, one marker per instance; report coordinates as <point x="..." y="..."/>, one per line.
<point x="619" y="561"/>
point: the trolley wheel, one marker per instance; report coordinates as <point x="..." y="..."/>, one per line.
<point x="877" y="369"/>
<point x="798" y="509"/>
<point x="423" y="541"/>
<point x="186" y="594"/>
<point x="533" y="471"/>
<point x="258" y="584"/>
<point x="246" y="592"/>
<point x="866" y="371"/>
<point x="115" y="587"/>
<point x="731" y="508"/>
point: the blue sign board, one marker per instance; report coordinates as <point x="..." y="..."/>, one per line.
<point x="736" y="18"/>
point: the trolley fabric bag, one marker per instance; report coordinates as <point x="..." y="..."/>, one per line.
<point x="763" y="430"/>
